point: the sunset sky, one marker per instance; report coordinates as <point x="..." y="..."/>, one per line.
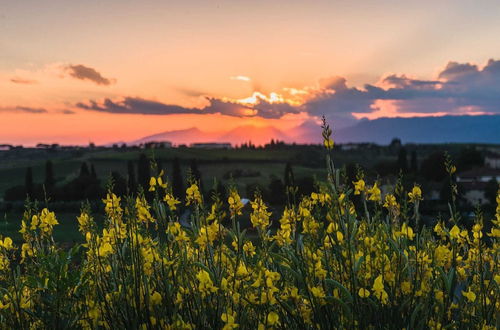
<point x="73" y="72"/>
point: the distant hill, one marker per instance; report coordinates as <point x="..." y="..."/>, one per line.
<point x="454" y="129"/>
<point x="258" y="135"/>
<point x="239" y="135"/>
<point x="190" y="135"/>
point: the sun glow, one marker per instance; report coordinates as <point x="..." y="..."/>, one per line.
<point x="273" y="97"/>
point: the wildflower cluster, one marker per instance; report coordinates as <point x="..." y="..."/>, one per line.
<point x="328" y="262"/>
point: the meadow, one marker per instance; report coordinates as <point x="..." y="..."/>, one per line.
<point x="343" y="256"/>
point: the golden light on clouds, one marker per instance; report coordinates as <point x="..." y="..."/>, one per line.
<point x="241" y="78"/>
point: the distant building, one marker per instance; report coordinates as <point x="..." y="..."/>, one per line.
<point x="211" y="145"/>
<point x="474" y="192"/>
<point x="475" y="181"/>
<point x="492" y="160"/>
<point x="482" y="174"/>
<point x="350" y="146"/>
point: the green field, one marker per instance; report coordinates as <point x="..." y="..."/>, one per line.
<point x="66" y="231"/>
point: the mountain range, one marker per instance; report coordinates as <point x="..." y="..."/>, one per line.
<point x="445" y="129"/>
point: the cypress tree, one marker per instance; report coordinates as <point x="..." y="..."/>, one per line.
<point x="289" y="178"/>
<point x="143" y="172"/>
<point x="49" y="175"/>
<point x="84" y="170"/>
<point x="195" y="172"/>
<point x="28" y="182"/>
<point x="402" y="161"/>
<point x="93" y="173"/>
<point x="414" y="162"/>
<point x="131" y="182"/>
<point x="177" y="182"/>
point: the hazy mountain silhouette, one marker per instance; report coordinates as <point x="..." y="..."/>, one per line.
<point x="258" y="135"/>
<point x="455" y="129"/>
<point x="307" y="132"/>
<point x="190" y="135"/>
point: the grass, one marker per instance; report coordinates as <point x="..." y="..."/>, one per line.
<point x="67" y="232"/>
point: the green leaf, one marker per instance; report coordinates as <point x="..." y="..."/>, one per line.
<point x="345" y="293"/>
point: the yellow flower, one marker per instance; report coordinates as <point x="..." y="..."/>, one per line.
<point x="391" y="203"/>
<point x="260" y="215"/>
<point x="143" y="214"/>
<point x="407" y="231"/>
<point x="374" y="193"/>
<point x="160" y="180"/>
<point x="6" y="243"/>
<point x="47" y="220"/>
<point x="273" y="319"/>
<point x="455" y="232"/>
<point x="249" y="249"/>
<point x="152" y="184"/>
<point x="235" y="204"/>
<point x="359" y="186"/>
<point x="156" y="298"/>
<point x="228" y="318"/>
<point x="193" y="195"/>
<point x="363" y="293"/>
<point x="242" y="271"/>
<point x="84" y="222"/>
<point x="406" y="287"/>
<point x="171" y="201"/>
<point x="379" y="290"/>
<point x="415" y="194"/>
<point x="206" y="285"/>
<point x="471" y="296"/>
<point x="112" y="205"/>
<point x="328" y="143"/>
<point x="318" y="292"/>
<point x="105" y="249"/>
